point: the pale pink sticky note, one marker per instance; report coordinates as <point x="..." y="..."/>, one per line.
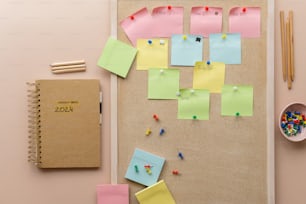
<point x="168" y="20"/>
<point x="113" y="194"/>
<point x="138" y="25"/>
<point x="205" y="20"/>
<point x="245" y="20"/>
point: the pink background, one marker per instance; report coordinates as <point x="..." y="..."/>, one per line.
<point x="34" y="34"/>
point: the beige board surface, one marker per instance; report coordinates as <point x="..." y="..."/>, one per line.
<point x="225" y="158"/>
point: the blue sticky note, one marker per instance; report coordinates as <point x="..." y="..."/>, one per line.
<point x="186" y="50"/>
<point x="144" y="167"/>
<point x="225" y="48"/>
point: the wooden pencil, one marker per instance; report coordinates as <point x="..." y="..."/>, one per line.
<point x="56" y="64"/>
<point x="68" y="67"/>
<point x="68" y="70"/>
<point x="292" y="69"/>
<point x="283" y="44"/>
<point x="289" y="82"/>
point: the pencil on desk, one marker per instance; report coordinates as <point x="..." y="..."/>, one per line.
<point x="56" y="64"/>
<point x="68" y="67"/>
<point x="59" y="71"/>
<point x="283" y="41"/>
<point x="289" y="81"/>
<point x="291" y="45"/>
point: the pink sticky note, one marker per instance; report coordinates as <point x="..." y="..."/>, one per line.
<point x="245" y="20"/>
<point x="113" y="194"/>
<point x="168" y="20"/>
<point x="205" y="20"/>
<point x="138" y="25"/>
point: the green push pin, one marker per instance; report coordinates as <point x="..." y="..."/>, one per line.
<point x="237" y="114"/>
<point x="136" y="169"/>
<point x="194" y="117"/>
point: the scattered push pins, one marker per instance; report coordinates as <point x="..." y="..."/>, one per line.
<point x="180" y="155"/>
<point x="155" y="116"/>
<point x="148" y="169"/>
<point x="148" y="132"/>
<point x="161" y="132"/>
<point x="175" y="172"/>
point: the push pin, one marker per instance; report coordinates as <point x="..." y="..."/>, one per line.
<point x="175" y="172"/>
<point x="169" y="7"/>
<point x="237" y="114"/>
<point x="148" y="132"/>
<point x="192" y="91"/>
<point x="194" y="117"/>
<point x="180" y="155"/>
<point x="148" y="171"/>
<point x="244" y="9"/>
<point x="148" y="166"/>
<point x="206" y="8"/>
<point x="178" y="93"/>
<point x="162" y="131"/>
<point x="161" y="71"/>
<point x="161" y="42"/>
<point x="224" y="36"/>
<point x="132" y="18"/>
<point x="150" y="42"/>
<point x="235" y="88"/>
<point x="155" y="117"/>
<point x="184" y="37"/>
<point x="136" y="169"/>
<point x="208" y="62"/>
<point x="198" y="39"/>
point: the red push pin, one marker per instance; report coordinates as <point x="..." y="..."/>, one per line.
<point x="132" y="17"/>
<point x="169" y="7"/>
<point x="244" y="9"/>
<point x="175" y="172"/>
<point x="206" y="8"/>
<point x="155" y="117"/>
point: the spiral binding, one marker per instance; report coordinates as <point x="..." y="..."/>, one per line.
<point x="34" y="123"/>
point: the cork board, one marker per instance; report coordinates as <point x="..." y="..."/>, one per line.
<point x="226" y="159"/>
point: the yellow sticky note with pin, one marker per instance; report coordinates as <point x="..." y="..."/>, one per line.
<point x="152" y="53"/>
<point x="209" y="75"/>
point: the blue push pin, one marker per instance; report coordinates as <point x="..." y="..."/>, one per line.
<point x="208" y="62"/>
<point x="180" y="154"/>
<point x="162" y="131"/>
<point x="150" y="42"/>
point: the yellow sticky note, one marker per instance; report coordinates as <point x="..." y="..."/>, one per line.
<point x="158" y="193"/>
<point x="209" y="75"/>
<point x="152" y="53"/>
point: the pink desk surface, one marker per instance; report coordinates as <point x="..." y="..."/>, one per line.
<point x="290" y="158"/>
<point x="34" y="34"/>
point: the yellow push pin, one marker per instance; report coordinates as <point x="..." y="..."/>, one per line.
<point x="184" y="37"/>
<point x="148" y="132"/>
<point x="224" y="36"/>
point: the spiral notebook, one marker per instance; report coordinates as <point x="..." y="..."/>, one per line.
<point x="65" y="123"/>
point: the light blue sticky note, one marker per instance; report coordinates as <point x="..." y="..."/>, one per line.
<point x="137" y="170"/>
<point x="163" y="83"/>
<point x="225" y="48"/>
<point x="186" y="50"/>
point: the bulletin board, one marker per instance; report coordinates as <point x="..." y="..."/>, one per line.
<point x="226" y="159"/>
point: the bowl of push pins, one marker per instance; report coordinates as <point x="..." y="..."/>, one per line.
<point x="292" y="122"/>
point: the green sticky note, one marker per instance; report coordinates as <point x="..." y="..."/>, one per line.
<point x="163" y="83"/>
<point x="193" y="104"/>
<point x="237" y="100"/>
<point x="117" y="57"/>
